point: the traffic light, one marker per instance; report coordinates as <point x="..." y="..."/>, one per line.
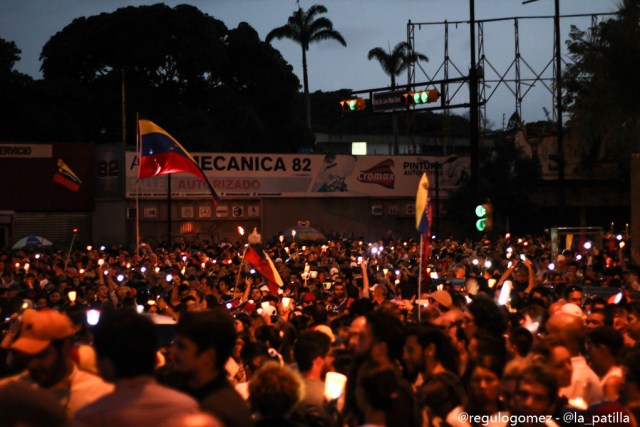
<point x="484" y="212"/>
<point x="421" y="97"/>
<point x="353" y="104"/>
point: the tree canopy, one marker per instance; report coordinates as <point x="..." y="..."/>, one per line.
<point x="603" y="89"/>
<point x="213" y="88"/>
<point x="396" y="61"/>
<point x="305" y="28"/>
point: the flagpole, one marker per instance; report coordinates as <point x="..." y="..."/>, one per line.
<point x="139" y="151"/>
<point x="66" y="262"/>
<point x="235" y="287"/>
<point x="420" y="280"/>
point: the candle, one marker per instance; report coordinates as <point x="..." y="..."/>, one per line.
<point x="334" y="385"/>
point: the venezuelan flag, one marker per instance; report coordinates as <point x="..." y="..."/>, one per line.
<point x="258" y="259"/>
<point x="65" y="176"/>
<point x="161" y="154"/>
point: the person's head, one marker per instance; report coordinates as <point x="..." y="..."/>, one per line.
<point x="338" y="291"/>
<point x="427" y="346"/>
<point x="382" y="338"/>
<point x="274" y="391"/>
<point x="482" y="379"/>
<point x="484" y="313"/>
<point x="604" y="345"/>
<point x="441" y="300"/>
<point x="597" y="317"/>
<point x="204" y="341"/>
<point x="536" y="392"/>
<point x="380" y="293"/>
<point x="45" y="342"/>
<point x="376" y="390"/>
<point x="574" y="294"/>
<point x="520" y="341"/>
<point x="633" y="320"/>
<point x="567" y="328"/>
<point x="554" y="354"/>
<point x="313" y="350"/>
<point x="356" y="328"/>
<point x="119" y="335"/>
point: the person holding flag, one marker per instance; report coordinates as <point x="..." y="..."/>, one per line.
<point x="260" y="261"/>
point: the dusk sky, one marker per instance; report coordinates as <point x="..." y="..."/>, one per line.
<point x="365" y="24"/>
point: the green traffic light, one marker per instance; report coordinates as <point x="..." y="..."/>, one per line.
<point x="424" y="97"/>
<point x="416" y="97"/>
<point x="480" y="224"/>
<point x="352" y="104"/>
<point x="481" y="211"/>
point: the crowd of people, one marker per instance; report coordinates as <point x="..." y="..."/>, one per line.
<point x="503" y="331"/>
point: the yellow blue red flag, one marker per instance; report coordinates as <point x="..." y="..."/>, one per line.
<point x="161" y="154"/>
<point x="65" y="176"/>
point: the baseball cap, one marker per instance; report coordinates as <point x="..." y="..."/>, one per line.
<point x="442" y="297"/>
<point x="40" y="328"/>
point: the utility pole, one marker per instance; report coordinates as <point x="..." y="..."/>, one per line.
<point x="474" y="137"/>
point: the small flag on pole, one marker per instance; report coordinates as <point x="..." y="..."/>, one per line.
<point x="161" y="154"/>
<point x="65" y="176"/>
<point x="258" y="259"/>
<point x="422" y="206"/>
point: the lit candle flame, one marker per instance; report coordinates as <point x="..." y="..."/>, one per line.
<point x="241" y="230"/>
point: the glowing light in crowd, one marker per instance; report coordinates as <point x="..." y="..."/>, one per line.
<point x="552" y="266"/>
<point x="169" y="277"/>
<point x="143" y="269"/>
<point x="120" y="277"/>
<point x="240" y="230"/>
<point x="89" y="247"/>
<point x="587" y="245"/>
<point x="285" y="302"/>
<point x="505" y="292"/>
<point x="72" y="295"/>
<point x="487" y="264"/>
<point x="334" y="385"/>
<point x="93" y="317"/>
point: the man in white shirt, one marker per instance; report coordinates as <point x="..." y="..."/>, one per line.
<point x="585" y="384"/>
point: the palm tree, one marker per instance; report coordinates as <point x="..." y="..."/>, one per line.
<point x="394" y="63"/>
<point x="304" y="28"/>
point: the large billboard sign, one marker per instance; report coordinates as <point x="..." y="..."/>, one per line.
<point x="301" y="175"/>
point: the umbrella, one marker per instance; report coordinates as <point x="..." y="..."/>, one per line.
<point x="31" y="241"/>
<point x="304" y="234"/>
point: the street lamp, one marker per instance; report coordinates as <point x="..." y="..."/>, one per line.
<point x="437" y="166"/>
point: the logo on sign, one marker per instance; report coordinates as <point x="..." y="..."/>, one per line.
<point x="381" y="174"/>
<point x="237" y="211"/>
